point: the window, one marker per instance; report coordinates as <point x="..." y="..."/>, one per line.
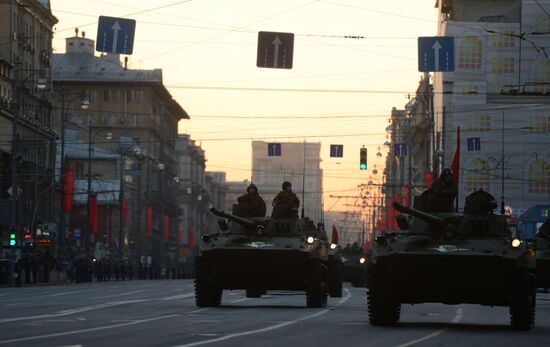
<point x="133" y="119"/>
<point x="478" y="123"/>
<point x="135" y="95"/>
<point x="503" y="65"/>
<point x="539" y="124"/>
<point x="110" y="95"/>
<point x="470" y="53"/>
<point x="79" y="169"/>
<point x="541" y="74"/>
<point x="504" y="39"/>
<point x="539" y="177"/>
<point x="477" y="176"/>
<point x="90" y="95"/>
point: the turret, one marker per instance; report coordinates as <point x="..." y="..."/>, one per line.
<point x="247" y="223"/>
<point x="426" y="217"/>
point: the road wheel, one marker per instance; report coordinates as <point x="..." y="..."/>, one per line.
<point x="522" y="307"/>
<point x="382" y="309"/>
<point x="206" y="295"/>
<point x="253" y="293"/>
<point x="316" y="295"/>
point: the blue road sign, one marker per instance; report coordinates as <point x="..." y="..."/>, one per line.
<point x="274" y="149"/>
<point x="436" y="53"/>
<point x="474" y="144"/>
<point x="336" y="151"/>
<point x="115" y="35"/>
<point x="400" y="149"/>
<point x="275" y="50"/>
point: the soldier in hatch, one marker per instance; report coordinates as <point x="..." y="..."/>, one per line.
<point x="441" y="196"/>
<point x="251" y="204"/>
<point x="286" y="203"/>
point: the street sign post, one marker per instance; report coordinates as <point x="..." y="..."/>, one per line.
<point x="436" y="54"/>
<point x="336" y="151"/>
<point x="275" y="50"/>
<point x="474" y="144"/>
<point x="400" y="149"/>
<point x="274" y="149"/>
<point x="115" y="35"/>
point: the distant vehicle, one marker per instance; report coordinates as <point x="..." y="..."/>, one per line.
<point x="355" y="268"/>
<point x="259" y="254"/>
<point x="452" y="258"/>
<point x="542" y="241"/>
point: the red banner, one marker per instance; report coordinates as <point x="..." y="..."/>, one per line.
<point x="191" y="241"/>
<point x="405" y="193"/>
<point x="428" y="179"/>
<point x="455" y="165"/>
<point x="68" y="189"/>
<point x="166" y="223"/>
<point x="334" y="235"/>
<point x="125" y="209"/>
<point x="150" y="221"/>
<point x="93" y="214"/>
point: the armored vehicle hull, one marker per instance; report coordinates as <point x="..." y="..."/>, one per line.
<point x="272" y="255"/>
<point x="453" y="259"/>
<point x="543" y="269"/>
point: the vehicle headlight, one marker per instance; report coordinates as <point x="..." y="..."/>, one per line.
<point x="362" y="260"/>
<point x="516" y="243"/>
<point x="333" y="246"/>
<point x="310" y="239"/>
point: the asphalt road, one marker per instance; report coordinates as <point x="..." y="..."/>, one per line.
<point x="163" y="313"/>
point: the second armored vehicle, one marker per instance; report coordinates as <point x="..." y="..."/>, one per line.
<point x="452" y="258"/>
<point x="261" y="254"/>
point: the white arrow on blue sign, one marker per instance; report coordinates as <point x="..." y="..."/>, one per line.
<point x="336" y="151"/>
<point x="274" y="149"/>
<point x="115" y="35"/>
<point x="436" y="54"/>
<point x="474" y="144"/>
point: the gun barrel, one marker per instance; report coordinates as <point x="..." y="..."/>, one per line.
<point x="242" y="221"/>
<point x="416" y="213"/>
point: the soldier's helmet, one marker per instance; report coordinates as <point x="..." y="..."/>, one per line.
<point x="480" y="202"/>
<point x="251" y="186"/>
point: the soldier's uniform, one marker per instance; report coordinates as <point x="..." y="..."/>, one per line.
<point x="251" y="204"/>
<point x="285" y="204"/>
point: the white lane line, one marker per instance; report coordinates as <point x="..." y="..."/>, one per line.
<point x="121" y="294"/>
<point x="65" y="293"/>
<point x="73" y="332"/>
<point x="175" y="297"/>
<point x="456" y="319"/>
<point x="70" y="312"/>
<point x="273" y="327"/>
<point x="234" y="301"/>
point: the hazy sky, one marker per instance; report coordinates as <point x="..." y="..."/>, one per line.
<point x="207" y="50"/>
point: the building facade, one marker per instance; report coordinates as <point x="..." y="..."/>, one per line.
<point x="27" y="151"/>
<point x="498" y="96"/>
<point x="132" y="119"/>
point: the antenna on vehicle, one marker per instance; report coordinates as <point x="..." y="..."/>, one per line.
<point x="304" y="180"/>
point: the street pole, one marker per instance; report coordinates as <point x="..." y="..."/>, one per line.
<point x="89" y="190"/>
<point x="121" y="203"/>
<point x="61" y="240"/>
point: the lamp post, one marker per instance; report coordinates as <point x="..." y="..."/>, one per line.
<point x="91" y="140"/>
<point x="84" y="105"/>
<point x="161" y="168"/>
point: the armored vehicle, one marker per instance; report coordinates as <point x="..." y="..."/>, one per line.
<point x="355" y="268"/>
<point x="335" y="271"/>
<point x="260" y="254"/>
<point x="452" y="258"/>
<point x="543" y="256"/>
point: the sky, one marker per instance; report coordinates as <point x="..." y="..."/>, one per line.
<point x="339" y="91"/>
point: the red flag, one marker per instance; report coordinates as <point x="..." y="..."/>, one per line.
<point x="166" y="223"/>
<point x="334" y="235"/>
<point x="455" y="166"/>
<point x="191" y="242"/>
<point x="428" y="179"/>
<point x="93" y="214"/>
<point x="68" y="189"/>
<point x="150" y="221"/>
<point x="125" y="209"/>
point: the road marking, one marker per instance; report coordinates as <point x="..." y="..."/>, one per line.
<point x="239" y="300"/>
<point x="73" y="332"/>
<point x="456" y="319"/>
<point x="273" y="327"/>
<point x="176" y="297"/>
<point x="70" y="312"/>
<point x="65" y="293"/>
<point x="121" y="294"/>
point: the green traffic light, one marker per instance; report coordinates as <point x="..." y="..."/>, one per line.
<point x="12" y="236"/>
<point x="363" y="166"/>
<point x="12" y="242"/>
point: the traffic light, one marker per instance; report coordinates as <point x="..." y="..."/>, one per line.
<point x="13" y="240"/>
<point x="363" y="159"/>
